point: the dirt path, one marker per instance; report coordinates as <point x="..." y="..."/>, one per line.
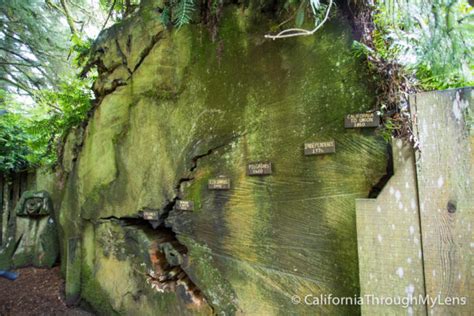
<point x="35" y="292"/>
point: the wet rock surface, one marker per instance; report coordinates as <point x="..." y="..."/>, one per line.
<point x="176" y="111"/>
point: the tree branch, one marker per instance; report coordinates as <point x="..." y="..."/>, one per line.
<point x="32" y="62"/>
<point x="18" y="86"/>
<point x="301" y="32"/>
<point x="30" y="79"/>
<point x="69" y="19"/>
<point x="63" y="9"/>
<point x="32" y="49"/>
<point x="109" y="15"/>
<point x="7" y="63"/>
<point x="55" y="6"/>
<point x="37" y="66"/>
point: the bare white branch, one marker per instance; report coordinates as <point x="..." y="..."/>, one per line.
<point x="301" y="32"/>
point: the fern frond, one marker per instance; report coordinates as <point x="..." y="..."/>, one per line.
<point x="166" y="16"/>
<point x="183" y="11"/>
<point x="315" y="4"/>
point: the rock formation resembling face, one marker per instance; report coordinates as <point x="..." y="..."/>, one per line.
<point x="33" y="206"/>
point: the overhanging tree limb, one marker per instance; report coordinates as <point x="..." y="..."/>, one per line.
<point x="18" y="86"/>
<point x="109" y="15"/>
<point x="33" y="81"/>
<point x="32" y="63"/>
<point x="32" y="48"/>
<point x="55" y="6"/>
<point x="69" y="19"/>
<point x="64" y="10"/>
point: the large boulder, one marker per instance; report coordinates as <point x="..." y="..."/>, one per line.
<point x="33" y="235"/>
<point x="176" y="110"/>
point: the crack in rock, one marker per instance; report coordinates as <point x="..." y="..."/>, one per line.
<point x="146" y="51"/>
<point x="194" y="164"/>
<point x="122" y="55"/>
<point x="169" y="255"/>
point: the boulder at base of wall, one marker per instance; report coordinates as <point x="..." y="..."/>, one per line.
<point x="33" y="236"/>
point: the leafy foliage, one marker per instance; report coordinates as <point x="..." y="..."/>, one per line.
<point x="183" y="11"/>
<point x="80" y="49"/>
<point x="40" y="58"/>
<point x="14" y="149"/>
<point x="178" y="12"/>
<point x="432" y="39"/>
<point x="31" y="139"/>
<point x="32" y="46"/>
<point x="118" y="9"/>
<point x="414" y="45"/>
<point x="56" y="113"/>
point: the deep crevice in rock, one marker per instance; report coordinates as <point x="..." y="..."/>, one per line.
<point x="116" y="83"/>
<point x="167" y="255"/>
<point x="378" y="187"/>
<point x="126" y="219"/>
<point x="194" y="163"/>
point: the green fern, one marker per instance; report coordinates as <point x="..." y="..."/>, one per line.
<point x="166" y="16"/>
<point x="182" y="12"/>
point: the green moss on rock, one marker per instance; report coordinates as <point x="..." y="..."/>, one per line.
<point x="195" y="109"/>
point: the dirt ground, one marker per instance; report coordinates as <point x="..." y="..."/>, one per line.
<point x="35" y="292"/>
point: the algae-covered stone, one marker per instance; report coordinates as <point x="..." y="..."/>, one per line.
<point x="115" y="267"/>
<point x="34" y="204"/>
<point x="192" y="110"/>
<point x="33" y="235"/>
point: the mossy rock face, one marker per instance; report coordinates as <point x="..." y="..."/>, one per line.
<point x="193" y="110"/>
<point x="33" y="234"/>
<point x="34" y="204"/>
<point x="114" y="268"/>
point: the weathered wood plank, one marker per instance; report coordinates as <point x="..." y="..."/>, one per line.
<point x="388" y="235"/>
<point x="443" y="125"/>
